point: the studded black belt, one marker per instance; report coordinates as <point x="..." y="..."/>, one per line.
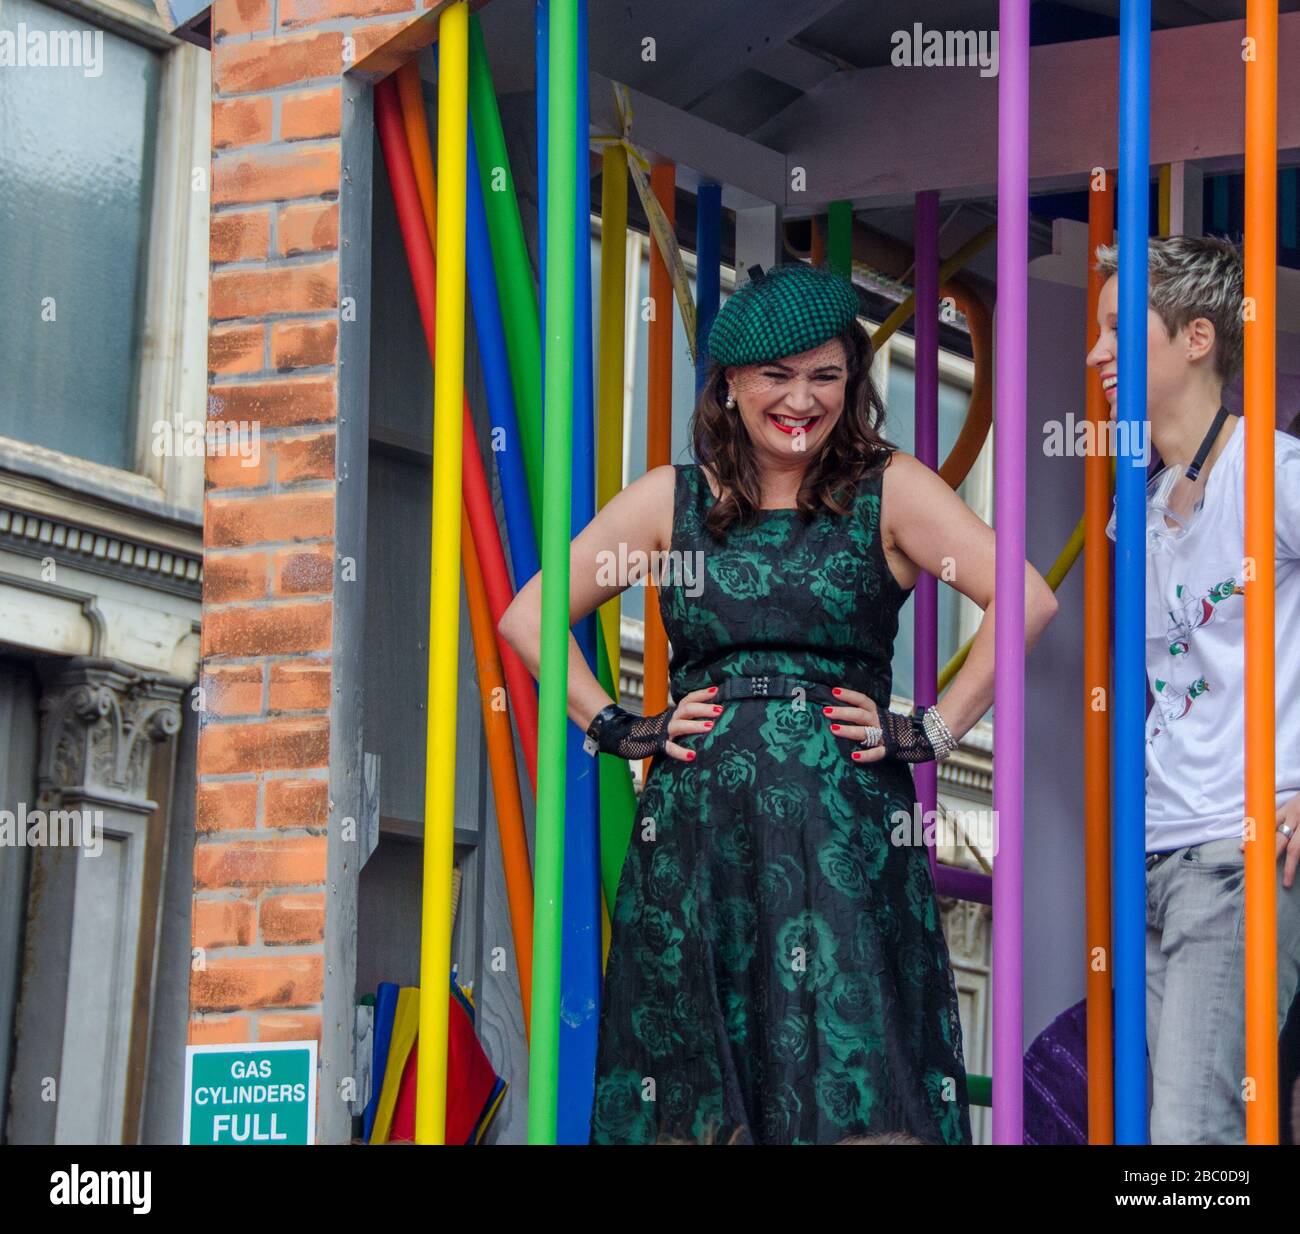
<point x="773" y="686"/>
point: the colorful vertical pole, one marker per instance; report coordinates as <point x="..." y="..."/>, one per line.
<point x="489" y="329"/>
<point x="1260" y="377"/>
<point x="1009" y="584"/>
<point x="617" y="794"/>
<point x="708" y="273"/>
<point x="562" y="124"/>
<point x="609" y="398"/>
<point x="926" y="612"/>
<point x="516" y="292"/>
<point x="444" y="576"/>
<point x="1130" y="578"/>
<point x="581" y="967"/>
<point x="659" y="428"/>
<point x="1096" y="710"/>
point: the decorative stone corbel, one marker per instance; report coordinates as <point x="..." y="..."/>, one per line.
<point x="99" y="722"/>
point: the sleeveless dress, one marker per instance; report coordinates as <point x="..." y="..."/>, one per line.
<point x="777" y="970"/>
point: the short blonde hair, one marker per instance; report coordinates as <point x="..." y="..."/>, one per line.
<point x="1191" y="277"/>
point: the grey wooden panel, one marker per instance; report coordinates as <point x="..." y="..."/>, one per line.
<point x="165" y="1084"/>
<point x="18" y="724"/>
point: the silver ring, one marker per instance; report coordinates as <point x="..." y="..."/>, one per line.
<point x="873" y="737"/>
<point x="1285" y="830"/>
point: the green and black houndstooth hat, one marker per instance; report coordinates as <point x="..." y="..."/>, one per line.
<point x="785" y="311"/>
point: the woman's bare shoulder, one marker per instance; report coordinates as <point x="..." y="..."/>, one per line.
<point x="649" y="499"/>
<point x="905" y="481"/>
<point x="905" y="475"/>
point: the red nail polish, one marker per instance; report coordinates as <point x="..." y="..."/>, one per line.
<point x="835" y="728"/>
<point x="855" y="756"/>
<point x="826" y="711"/>
<point x="713" y="689"/>
<point x="690" y="754"/>
<point x="836" y="691"/>
<point x="708" y="723"/>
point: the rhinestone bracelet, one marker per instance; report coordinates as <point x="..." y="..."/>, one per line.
<point x="940" y="735"/>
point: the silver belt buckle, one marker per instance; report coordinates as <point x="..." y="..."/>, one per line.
<point x="759" y="686"/>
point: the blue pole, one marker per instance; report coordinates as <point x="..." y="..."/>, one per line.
<point x="1130" y="579"/>
<point x="491" y="336"/>
<point x="708" y="272"/>
<point x="581" y="945"/>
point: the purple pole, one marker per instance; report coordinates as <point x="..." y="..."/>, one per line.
<point x="925" y="641"/>
<point x="1009" y="584"/>
<point x="973" y="885"/>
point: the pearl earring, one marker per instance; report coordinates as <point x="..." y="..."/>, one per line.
<point x="731" y="400"/>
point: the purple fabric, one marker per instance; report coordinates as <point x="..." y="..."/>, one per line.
<point x="1056" y="1081"/>
<point x="1288" y="398"/>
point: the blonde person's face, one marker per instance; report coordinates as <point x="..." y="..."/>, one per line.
<point x="790" y="405"/>
<point x="1166" y="357"/>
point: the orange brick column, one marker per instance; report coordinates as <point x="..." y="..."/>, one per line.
<point x="279" y="766"/>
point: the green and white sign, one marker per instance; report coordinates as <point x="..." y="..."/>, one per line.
<point x="251" y="1093"/>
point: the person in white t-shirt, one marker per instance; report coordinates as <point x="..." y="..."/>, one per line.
<point x="1195" y="662"/>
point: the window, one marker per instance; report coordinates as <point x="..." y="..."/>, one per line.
<point x="76" y="173"/>
<point x="98" y="222"/>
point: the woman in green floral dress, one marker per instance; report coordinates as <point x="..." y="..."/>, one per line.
<point x="777" y="970"/>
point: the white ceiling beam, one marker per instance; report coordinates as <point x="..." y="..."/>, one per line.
<point x="877" y="135"/>
<point x="726" y="39"/>
<point x="751" y="174"/>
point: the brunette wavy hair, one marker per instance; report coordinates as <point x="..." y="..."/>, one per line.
<point x="855" y="448"/>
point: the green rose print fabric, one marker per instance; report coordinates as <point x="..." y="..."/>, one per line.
<point x="777" y="971"/>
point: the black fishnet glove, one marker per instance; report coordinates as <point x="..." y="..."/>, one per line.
<point x="625" y="735"/>
<point x="906" y="738"/>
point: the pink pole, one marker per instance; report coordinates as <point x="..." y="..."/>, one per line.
<point x="1009" y="586"/>
<point x="925" y="640"/>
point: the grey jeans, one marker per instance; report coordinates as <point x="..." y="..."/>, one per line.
<point x="1196" y="1034"/>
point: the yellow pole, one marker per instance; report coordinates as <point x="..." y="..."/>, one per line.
<point x="444" y="578"/>
<point x="613" y="279"/>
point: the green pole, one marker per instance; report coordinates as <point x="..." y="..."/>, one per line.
<point x="839" y="239"/>
<point x="561" y="192"/>
<point x="514" y="272"/>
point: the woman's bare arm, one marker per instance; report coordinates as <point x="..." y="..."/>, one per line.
<point x="637" y="520"/>
<point x="937" y="530"/>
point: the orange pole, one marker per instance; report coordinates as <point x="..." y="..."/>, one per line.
<point x="818" y="241"/>
<point x="503" y="768"/>
<point x="415" y="122"/>
<point x="979" y="411"/>
<point x="1096" y="706"/>
<point x="1260" y="374"/>
<point x="659" y="407"/>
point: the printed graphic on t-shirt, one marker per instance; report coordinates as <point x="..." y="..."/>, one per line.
<point x="1194" y="613"/>
<point x="1173" y="703"/>
<point x="1197" y="611"/>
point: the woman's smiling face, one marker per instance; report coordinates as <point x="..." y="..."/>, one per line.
<point x="790" y="405"/>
